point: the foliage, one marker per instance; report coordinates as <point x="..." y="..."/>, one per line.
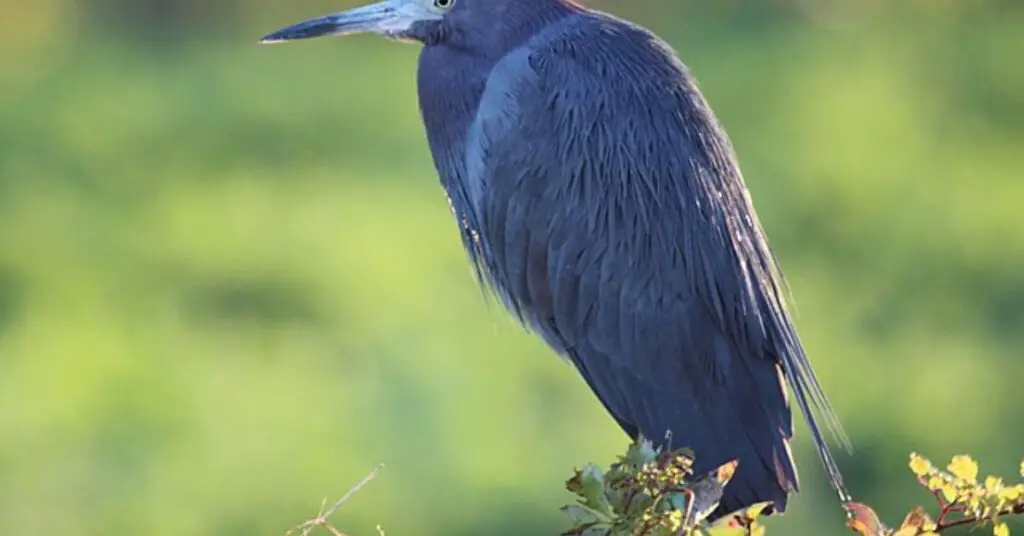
<point x="650" y="492"/>
<point x="653" y="493"/>
<point x="962" y="500"/>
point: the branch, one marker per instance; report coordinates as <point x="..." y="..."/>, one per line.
<point x="323" y="514"/>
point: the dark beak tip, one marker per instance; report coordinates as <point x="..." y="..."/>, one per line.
<point x="273" y="39"/>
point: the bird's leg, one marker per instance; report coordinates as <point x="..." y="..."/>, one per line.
<point x="690" y="496"/>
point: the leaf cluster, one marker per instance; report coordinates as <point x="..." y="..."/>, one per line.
<point x="650" y="492"/>
<point x="962" y="500"/>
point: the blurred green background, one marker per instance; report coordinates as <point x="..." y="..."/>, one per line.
<point x="230" y="284"/>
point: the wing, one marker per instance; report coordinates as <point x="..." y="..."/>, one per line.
<point x="617" y="225"/>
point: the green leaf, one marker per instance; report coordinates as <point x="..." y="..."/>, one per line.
<point x="581" y="514"/>
<point x="592" y="489"/>
<point x="640" y="453"/>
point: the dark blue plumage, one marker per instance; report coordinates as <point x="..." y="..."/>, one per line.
<point x="599" y="198"/>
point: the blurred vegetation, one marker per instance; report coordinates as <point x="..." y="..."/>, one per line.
<point x="229" y="282"/>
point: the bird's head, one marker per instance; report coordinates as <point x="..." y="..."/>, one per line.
<point x="404" y="20"/>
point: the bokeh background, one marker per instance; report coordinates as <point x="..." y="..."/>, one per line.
<point x="230" y="284"/>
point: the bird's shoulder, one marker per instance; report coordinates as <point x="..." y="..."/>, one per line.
<point x="595" y="71"/>
<point x="601" y="53"/>
<point x="617" y="55"/>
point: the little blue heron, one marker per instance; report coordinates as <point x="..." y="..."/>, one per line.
<point x="600" y="199"/>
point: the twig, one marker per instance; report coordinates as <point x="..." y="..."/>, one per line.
<point x="321" y="519"/>
<point x="941" y="526"/>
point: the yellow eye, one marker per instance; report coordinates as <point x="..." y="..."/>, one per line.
<point x="444" y="4"/>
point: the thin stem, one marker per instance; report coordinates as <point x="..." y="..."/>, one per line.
<point x="324" y="513"/>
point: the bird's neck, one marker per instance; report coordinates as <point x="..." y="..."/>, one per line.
<point x="452" y="73"/>
<point x="450" y="83"/>
<point x="452" y="76"/>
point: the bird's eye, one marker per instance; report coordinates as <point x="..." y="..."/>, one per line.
<point x="444" y="4"/>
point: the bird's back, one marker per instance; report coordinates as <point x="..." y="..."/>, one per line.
<point x="603" y="202"/>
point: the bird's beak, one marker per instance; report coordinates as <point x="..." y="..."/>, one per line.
<point x="390" y="18"/>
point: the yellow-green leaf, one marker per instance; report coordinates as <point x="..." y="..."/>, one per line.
<point x="993" y="484"/>
<point x="1000" y="529"/>
<point x="919" y="465"/>
<point x="1011" y="493"/>
<point x="964" y="467"/>
<point x="949" y="492"/>
<point x="757" y="509"/>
